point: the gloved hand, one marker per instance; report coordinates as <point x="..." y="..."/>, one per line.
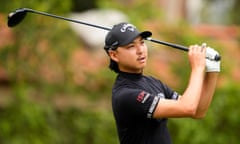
<point x="211" y="64"/>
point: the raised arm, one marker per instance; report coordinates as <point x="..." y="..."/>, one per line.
<point x="197" y="97"/>
<point x="187" y="104"/>
<point x="209" y="84"/>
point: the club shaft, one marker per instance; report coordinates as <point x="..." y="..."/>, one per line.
<point x="104" y="28"/>
<point x="67" y="19"/>
<point x="180" y="47"/>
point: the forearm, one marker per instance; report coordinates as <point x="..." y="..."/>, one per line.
<point x="209" y="85"/>
<point x="192" y="94"/>
<point x="186" y="105"/>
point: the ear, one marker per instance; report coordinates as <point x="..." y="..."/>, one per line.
<point x="113" y="55"/>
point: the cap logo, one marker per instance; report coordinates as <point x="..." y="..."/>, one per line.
<point x="126" y="27"/>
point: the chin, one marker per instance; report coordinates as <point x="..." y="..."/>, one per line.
<point x="141" y="68"/>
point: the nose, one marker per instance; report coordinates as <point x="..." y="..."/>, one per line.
<point x="140" y="48"/>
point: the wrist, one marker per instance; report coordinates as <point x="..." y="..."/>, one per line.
<point x="212" y="66"/>
<point x="198" y="71"/>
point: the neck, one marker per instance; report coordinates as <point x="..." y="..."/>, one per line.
<point x="134" y="71"/>
<point x="132" y="76"/>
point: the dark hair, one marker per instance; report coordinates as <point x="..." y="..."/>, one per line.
<point x="114" y="66"/>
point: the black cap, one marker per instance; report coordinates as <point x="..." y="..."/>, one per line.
<point x="122" y="34"/>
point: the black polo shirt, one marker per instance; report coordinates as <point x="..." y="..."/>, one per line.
<point x="134" y="99"/>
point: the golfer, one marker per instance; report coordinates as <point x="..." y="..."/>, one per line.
<point x="142" y="104"/>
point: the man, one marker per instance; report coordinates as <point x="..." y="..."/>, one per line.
<point x="141" y="104"/>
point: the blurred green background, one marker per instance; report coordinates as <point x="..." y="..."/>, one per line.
<point x="54" y="90"/>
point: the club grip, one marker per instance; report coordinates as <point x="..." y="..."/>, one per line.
<point x="217" y="58"/>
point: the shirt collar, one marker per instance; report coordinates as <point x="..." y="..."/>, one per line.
<point x="133" y="76"/>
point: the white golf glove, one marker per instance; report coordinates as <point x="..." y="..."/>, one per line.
<point x="211" y="64"/>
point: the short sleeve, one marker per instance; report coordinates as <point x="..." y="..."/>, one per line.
<point x="136" y="103"/>
<point x="168" y="92"/>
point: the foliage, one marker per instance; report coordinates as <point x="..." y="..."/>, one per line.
<point x="28" y="122"/>
<point x="234" y="13"/>
<point x="48" y="105"/>
<point x="51" y="5"/>
<point x="220" y="125"/>
<point x="82" y="5"/>
<point x="136" y="10"/>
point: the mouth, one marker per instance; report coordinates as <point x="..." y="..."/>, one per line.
<point x="142" y="59"/>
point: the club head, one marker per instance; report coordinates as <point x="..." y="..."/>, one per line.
<point x="16" y="17"/>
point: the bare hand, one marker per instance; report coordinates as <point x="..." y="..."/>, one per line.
<point x="196" y="56"/>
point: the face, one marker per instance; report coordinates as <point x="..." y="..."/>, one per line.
<point x="131" y="58"/>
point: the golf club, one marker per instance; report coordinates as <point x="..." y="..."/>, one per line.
<point x="15" y="17"/>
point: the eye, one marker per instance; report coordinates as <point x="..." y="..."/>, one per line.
<point x="142" y="42"/>
<point x="130" y="46"/>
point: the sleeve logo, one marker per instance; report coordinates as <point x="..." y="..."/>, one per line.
<point x="142" y="97"/>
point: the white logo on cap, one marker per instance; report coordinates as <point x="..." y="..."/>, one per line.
<point x="126" y="27"/>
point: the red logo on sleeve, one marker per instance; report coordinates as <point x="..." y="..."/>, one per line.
<point x="142" y="97"/>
